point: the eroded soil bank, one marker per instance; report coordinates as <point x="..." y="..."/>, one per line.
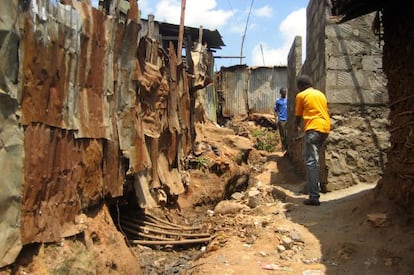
<point x="249" y="202"/>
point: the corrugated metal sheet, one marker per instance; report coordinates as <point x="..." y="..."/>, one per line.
<point x="97" y="105"/>
<point x="246" y="90"/>
<point x="62" y="175"/>
<point x="211" y="103"/>
<point x="234" y="86"/>
<point x="264" y="86"/>
<point x="72" y="157"/>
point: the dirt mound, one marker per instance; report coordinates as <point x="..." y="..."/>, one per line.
<point x="351" y="232"/>
<point x="100" y="249"/>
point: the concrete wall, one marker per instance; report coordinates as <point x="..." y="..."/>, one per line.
<point x="344" y="62"/>
<point x="293" y="69"/>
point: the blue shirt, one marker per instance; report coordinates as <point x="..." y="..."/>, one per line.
<point x="281" y="108"/>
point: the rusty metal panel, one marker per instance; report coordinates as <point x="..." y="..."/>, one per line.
<point x="70" y="107"/>
<point x="97" y="106"/>
<point x="234" y="85"/>
<point x="264" y="86"/>
<point x="62" y="174"/>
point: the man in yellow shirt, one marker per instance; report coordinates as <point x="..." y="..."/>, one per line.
<point x="311" y="106"/>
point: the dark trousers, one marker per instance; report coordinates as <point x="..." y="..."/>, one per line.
<point x="313" y="143"/>
<point x="283" y="134"/>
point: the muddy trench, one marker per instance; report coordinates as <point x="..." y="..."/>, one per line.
<point x="171" y="238"/>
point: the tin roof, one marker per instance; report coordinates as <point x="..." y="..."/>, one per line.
<point x="212" y="38"/>
<point x="346" y="10"/>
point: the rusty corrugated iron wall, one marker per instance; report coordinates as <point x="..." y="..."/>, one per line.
<point x="86" y="107"/>
<point x="264" y="86"/>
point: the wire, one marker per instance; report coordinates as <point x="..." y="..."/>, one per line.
<point x="245" y="31"/>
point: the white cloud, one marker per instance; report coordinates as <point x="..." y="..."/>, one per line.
<point x="144" y="8"/>
<point x="237" y="28"/>
<point x="264" y="11"/>
<point x="197" y="13"/>
<point x="294" y="24"/>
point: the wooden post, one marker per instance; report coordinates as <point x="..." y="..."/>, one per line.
<point x="181" y="32"/>
<point x="200" y="35"/>
<point x="150" y="25"/>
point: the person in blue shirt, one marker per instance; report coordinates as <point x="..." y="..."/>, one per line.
<point x="281" y="115"/>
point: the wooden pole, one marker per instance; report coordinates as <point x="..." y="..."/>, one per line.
<point x="161" y="242"/>
<point x="151" y="25"/>
<point x="200" y="35"/>
<point x="245" y="30"/>
<point x="181" y="32"/>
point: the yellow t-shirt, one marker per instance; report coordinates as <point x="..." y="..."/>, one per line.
<point x="312" y="105"/>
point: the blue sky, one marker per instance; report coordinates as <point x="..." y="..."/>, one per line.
<point x="272" y="26"/>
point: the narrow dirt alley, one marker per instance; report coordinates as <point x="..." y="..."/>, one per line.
<point x="260" y="226"/>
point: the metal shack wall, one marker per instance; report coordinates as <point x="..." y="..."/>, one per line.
<point x="234" y="86"/>
<point x="83" y="104"/>
<point x="264" y="86"/>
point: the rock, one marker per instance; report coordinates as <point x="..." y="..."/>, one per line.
<point x="282" y="230"/>
<point x="313" y="272"/>
<point x="294" y="235"/>
<point x="287" y="242"/>
<point x="253" y="192"/>
<point x="253" y="201"/>
<point x="238" y="142"/>
<point x="281" y="248"/>
<point x="379" y="220"/>
<point x="237" y="196"/>
<point x="278" y="195"/>
<point x="229" y="207"/>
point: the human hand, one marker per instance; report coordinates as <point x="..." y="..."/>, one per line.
<point x="296" y="130"/>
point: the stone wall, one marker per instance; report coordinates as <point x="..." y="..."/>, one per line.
<point x="344" y="62"/>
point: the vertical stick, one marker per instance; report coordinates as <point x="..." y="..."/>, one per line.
<point x="181" y="32"/>
<point x="150" y="25"/>
<point x="200" y="35"/>
<point x="244" y="33"/>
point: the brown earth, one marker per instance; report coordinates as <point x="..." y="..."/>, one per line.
<point x="250" y="201"/>
<point x="99" y="249"/>
<point x="353" y="231"/>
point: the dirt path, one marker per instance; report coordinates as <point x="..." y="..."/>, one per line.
<point x="270" y="231"/>
<point x="349" y="233"/>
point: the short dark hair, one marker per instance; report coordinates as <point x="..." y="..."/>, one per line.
<point x="283" y="91"/>
<point x="303" y="81"/>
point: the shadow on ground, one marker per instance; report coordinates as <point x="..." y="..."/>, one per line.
<point x="359" y="232"/>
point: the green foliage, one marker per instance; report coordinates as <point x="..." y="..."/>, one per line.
<point x="201" y="162"/>
<point x="258" y="132"/>
<point x="265" y="139"/>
